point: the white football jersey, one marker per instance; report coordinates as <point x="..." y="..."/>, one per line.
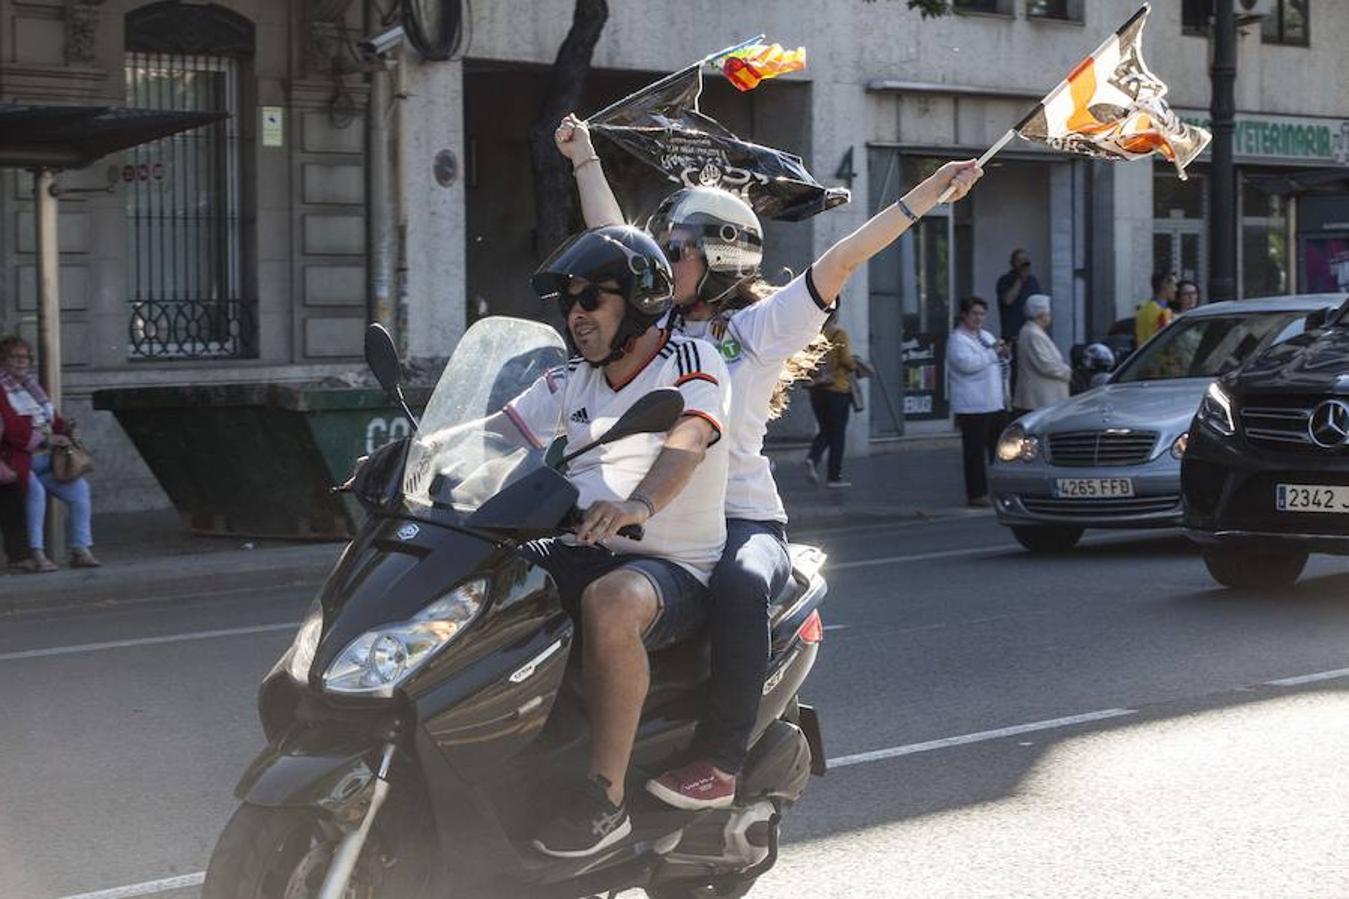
<point x="755" y="342"/>
<point x="578" y="401"/>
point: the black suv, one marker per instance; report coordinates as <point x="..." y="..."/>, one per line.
<point x="1265" y="474"/>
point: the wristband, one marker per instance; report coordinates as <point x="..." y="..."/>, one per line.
<point x="908" y="213"/>
<point x="644" y="500"/>
<point x="584" y="162"/>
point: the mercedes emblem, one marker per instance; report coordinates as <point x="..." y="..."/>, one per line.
<point x="1328" y="426"/>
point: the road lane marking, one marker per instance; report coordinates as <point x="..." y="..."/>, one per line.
<point x="148" y="888"/>
<point x="145" y="641"/>
<point x="914" y="748"/>
<point x="1308" y="678"/>
<point x="918" y="557"/>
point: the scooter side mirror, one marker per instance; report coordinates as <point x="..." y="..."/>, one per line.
<point x="654" y="413"/>
<point x="382" y="358"/>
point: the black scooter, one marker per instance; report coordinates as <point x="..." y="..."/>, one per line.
<point x="428" y="715"/>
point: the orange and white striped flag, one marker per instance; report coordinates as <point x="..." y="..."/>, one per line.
<point x="1113" y="107"/>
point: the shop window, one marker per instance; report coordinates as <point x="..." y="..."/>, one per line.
<point x="1264" y="243"/>
<point x="185" y="260"/>
<point x="1287" y="24"/>
<point x="1178" y="227"/>
<point x="1196" y="17"/>
<point x="1061" y="10"/>
<point x="991" y="7"/>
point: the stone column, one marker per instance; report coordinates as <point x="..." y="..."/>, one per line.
<point x="430" y="183"/>
<point x="1121" y="238"/>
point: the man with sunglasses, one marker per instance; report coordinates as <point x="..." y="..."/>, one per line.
<point x="613" y="284"/>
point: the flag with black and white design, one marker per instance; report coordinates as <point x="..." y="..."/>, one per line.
<point x="1113" y="107"/>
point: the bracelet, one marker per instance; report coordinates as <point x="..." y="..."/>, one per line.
<point x="908" y="213"/>
<point x="646" y="501"/>
<point x="584" y="162"/>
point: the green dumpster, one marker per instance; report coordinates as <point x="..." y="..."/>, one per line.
<point x="258" y="460"/>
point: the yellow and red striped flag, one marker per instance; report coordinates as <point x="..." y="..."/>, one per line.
<point x="746" y="66"/>
<point x="1113" y="107"/>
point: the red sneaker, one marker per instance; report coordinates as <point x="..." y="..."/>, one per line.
<point x="695" y="786"/>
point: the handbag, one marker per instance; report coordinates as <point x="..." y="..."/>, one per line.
<point x="71" y="461"/>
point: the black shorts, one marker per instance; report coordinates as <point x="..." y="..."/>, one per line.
<point x="682" y="598"/>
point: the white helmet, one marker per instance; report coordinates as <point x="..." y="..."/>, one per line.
<point x="721" y="225"/>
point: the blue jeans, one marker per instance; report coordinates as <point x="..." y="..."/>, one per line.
<point x="74" y="494"/>
<point x="754" y="568"/>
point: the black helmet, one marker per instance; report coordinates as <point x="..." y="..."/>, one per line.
<point x="1098" y="357"/>
<point x="722" y="226"/>
<point x="619" y="253"/>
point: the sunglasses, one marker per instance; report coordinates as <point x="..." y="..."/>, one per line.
<point x="588" y="298"/>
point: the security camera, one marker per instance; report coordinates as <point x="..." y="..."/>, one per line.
<point x="377" y="46"/>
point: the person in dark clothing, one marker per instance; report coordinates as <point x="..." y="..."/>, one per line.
<point x="13" y="529"/>
<point x="831" y="400"/>
<point x="1013" y="288"/>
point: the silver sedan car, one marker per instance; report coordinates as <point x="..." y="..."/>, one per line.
<point x="1110" y="457"/>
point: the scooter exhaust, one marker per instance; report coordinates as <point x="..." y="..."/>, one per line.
<point x="349" y="850"/>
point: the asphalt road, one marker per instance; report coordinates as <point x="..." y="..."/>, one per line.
<point x="1107" y="722"/>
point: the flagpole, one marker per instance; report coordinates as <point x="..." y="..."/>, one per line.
<point x="672" y="76"/>
<point x="988" y="154"/>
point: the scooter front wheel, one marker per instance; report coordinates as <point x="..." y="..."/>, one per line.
<point x="283" y="853"/>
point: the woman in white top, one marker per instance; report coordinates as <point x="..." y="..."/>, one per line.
<point x="976" y="363"/>
<point x="715" y="244"/>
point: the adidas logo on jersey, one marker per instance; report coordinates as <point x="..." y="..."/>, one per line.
<point x="580" y="416"/>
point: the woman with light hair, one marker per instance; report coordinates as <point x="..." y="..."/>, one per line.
<point x="1042" y="374"/>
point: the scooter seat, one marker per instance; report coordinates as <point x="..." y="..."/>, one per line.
<point x="678" y="671"/>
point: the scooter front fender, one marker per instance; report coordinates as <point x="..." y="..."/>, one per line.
<point x="293" y="776"/>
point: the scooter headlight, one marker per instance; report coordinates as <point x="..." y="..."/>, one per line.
<point x="306" y="643"/>
<point x="376" y="662"/>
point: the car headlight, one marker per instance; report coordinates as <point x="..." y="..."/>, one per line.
<point x="306" y="642"/>
<point x="1179" y="446"/>
<point x="1215" y="410"/>
<point x="1016" y="444"/>
<point x="380" y="659"/>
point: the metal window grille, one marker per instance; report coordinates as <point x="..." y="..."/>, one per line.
<point x="182" y="211"/>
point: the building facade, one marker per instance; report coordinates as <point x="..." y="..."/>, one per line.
<point x="340" y="191"/>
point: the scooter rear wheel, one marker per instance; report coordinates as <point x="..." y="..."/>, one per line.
<point x="282" y="853"/>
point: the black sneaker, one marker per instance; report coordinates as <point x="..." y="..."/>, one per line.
<point x="589" y="823"/>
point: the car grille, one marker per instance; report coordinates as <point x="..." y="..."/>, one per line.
<point x="1283" y="426"/>
<point x="1124" y="507"/>
<point x="1116" y="446"/>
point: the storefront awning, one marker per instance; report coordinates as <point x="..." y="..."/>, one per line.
<point x="1299" y="182"/>
<point x="73" y="137"/>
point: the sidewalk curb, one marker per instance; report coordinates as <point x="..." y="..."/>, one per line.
<point x="116" y="584"/>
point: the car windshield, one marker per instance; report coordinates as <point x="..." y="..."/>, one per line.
<point x="460" y="458"/>
<point x="1207" y="346"/>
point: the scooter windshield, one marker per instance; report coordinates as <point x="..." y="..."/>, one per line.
<point x="465" y="450"/>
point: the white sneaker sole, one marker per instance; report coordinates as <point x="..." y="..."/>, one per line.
<point x="680" y="801"/>
<point x="618" y="833"/>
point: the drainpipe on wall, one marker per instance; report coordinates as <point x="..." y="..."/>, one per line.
<point x="400" y="211"/>
<point x="380" y="251"/>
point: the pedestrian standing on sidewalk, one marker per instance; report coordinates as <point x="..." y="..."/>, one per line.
<point x="831" y="401"/>
<point x="1014" y="287"/>
<point x="32" y="428"/>
<point x="975" y="363"/>
<point x="1043" y="374"/>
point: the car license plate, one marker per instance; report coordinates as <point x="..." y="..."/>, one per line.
<point x="1311" y="498"/>
<point x="1093" y="488"/>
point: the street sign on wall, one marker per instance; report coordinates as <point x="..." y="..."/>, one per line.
<point x="1283" y="139"/>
